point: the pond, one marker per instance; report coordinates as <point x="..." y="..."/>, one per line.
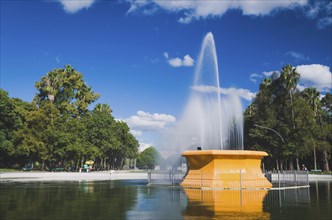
<point x="133" y="199"/>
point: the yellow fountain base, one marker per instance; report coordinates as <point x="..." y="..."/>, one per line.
<point x="225" y="169"/>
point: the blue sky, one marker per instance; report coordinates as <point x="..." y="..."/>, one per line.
<point x="141" y="55"/>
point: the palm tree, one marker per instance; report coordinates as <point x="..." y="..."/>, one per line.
<point x="103" y="108"/>
<point x="289" y="79"/>
<point x="312" y="97"/>
<point x="326" y="120"/>
<point x="49" y="86"/>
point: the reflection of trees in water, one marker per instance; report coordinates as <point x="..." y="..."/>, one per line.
<point x="133" y="200"/>
<point x="66" y="200"/>
<point x="302" y="203"/>
<point x="158" y="202"/>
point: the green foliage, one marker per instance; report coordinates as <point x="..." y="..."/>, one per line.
<point x="58" y="130"/>
<point x="299" y="117"/>
<point x="12" y="118"/>
<point x="148" y="159"/>
<point x="66" y="89"/>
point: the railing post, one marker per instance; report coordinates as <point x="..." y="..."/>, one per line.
<point x="149" y="176"/>
<point x="172" y="177"/>
<point x="240" y="179"/>
<point x="279" y="178"/>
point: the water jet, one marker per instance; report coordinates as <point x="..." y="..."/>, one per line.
<point x="216" y="123"/>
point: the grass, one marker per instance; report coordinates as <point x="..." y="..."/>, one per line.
<point x="320" y="172"/>
<point x="3" y="170"/>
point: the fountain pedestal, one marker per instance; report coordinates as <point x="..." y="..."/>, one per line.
<point x="225" y="169"/>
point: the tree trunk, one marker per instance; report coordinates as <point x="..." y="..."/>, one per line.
<point x="291" y="166"/>
<point x="78" y="165"/>
<point x="315" y="159"/>
<point x="105" y="163"/>
<point x="297" y="164"/>
<point x="43" y="165"/>
<point x="102" y="163"/>
<point x="326" y="161"/>
<point x="291" y="98"/>
<point x="277" y="162"/>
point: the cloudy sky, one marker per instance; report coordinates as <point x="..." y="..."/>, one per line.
<point x="140" y="55"/>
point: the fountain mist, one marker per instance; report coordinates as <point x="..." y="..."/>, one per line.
<point x="209" y="119"/>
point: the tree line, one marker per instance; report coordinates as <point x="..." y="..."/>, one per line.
<point x="57" y="129"/>
<point x="294" y="127"/>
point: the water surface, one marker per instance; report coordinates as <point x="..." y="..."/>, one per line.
<point x="134" y="200"/>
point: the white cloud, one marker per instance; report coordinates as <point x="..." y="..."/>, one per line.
<point x="297" y="56"/>
<point x="254" y="76"/>
<point x="187" y="61"/>
<point x="269" y="73"/>
<point x="145" y="121"/>
<point x="136" y="133"/>
<point x="166" y="55"/>
<point x="72" y="6"/>
<point x="178" y="62"/>
<point x="57" y="59"/>
<point x="202" y="9"/>
<point x="143" y="146"/>
<point x="320" y="11"/>
<point x="175" y="62"/>
<point x="243" y="93"/>
<point x="315" y="75"/>
<point x="149" y="128"/>
<point x="323" y="22"/>
<point x="300" y="87"/>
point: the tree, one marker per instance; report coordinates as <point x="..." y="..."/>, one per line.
<point x="103" y="108"/>
<point x="262" y="112"/>
<point x="58" y="129"/>
<point x="279" y="106"/>
<point x="35" y="140"/>
<point x="286" y="84"/>
<point x="148" y="159"/>
<point x="312" y="97"/>
<point x="12" y="117"/>
<point x="325" y="122"/>
<point x="66" y="90"/>
<point x="128" y="144"/>
<point x="100" y="133"/>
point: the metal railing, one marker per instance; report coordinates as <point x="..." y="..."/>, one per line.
<point x="287" y="178"/>
<point x="233" y="179"/>
<point x="167" y="177"/>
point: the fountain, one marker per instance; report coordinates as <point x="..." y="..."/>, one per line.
<point x="216" y="123"/>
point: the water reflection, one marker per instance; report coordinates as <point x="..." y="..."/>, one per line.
<point x="86" y="187"/>
<point x="158" y="203"/>
<point x="66" y="200"/>
<point x="244" y="204"/>
<point x="285" y="198"/>
<point x="301" y="203"/>
<point x="134" y="200"/>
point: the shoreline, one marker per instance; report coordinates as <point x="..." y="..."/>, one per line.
<point x="71" y="176"/>
<point x="98" y="176"/>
